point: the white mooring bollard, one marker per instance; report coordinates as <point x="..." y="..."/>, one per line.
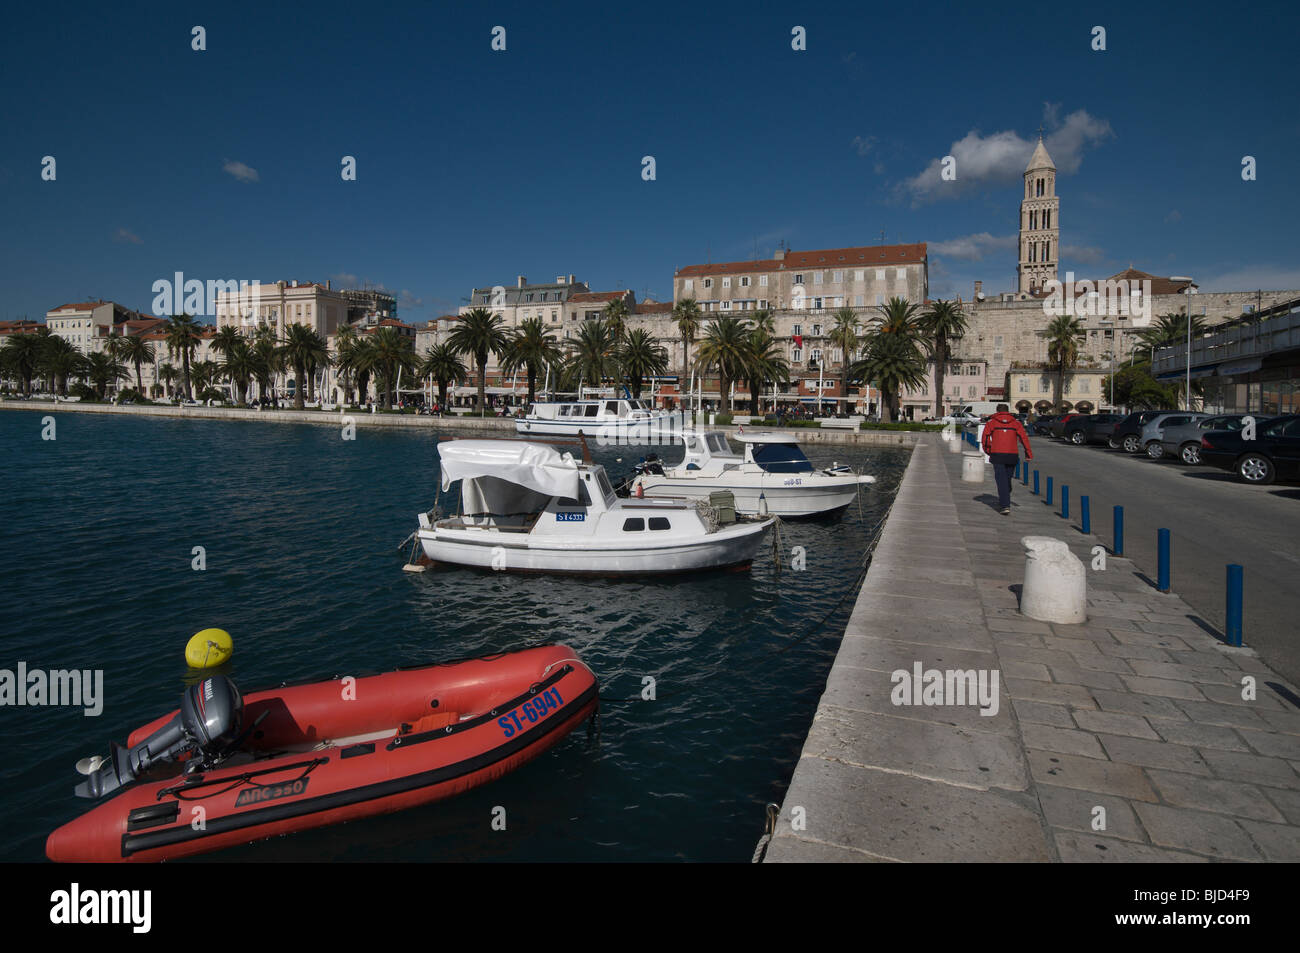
<point x="972" y="467"/>
<point x="1056" y="584"/>
<point x="955" y="442"/>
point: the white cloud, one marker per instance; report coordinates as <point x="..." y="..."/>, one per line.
<point x="408" y="300"/>
<point x="244" y="173"/>
<point x="1001" y="157"/>
<point x="1174" y="216"/>
<point x="863" y="144"/>
<point x="126" y="236"/>
<point x="344" y="278"/>
<point x="1083" y="254"/>
<point x="973" y="247"/>
<point x="1253" y="278"/>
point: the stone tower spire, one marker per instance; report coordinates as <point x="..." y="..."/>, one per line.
<point x="1040" y="230"/>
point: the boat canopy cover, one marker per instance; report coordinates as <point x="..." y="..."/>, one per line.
<point x="780" y="458"/>
<point x="538" y="467"/>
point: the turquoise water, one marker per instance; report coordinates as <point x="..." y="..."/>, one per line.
<point x="300" y="530"/>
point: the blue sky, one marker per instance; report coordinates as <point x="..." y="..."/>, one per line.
<point x="475" y="166"/>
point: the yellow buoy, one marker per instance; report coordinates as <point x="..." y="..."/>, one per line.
<point x="209" y="648"/>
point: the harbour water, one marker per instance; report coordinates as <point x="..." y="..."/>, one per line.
<point x="299" y="529"/>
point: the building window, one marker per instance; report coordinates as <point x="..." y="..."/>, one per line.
<point x="762" y="303"/>
<point x="817" y="277"/>
<point x="902" y="274"/>
<point x="797" y="330"/>
<point x="838" y="277"/>
<point x="798" y="279"/>
<point x="726" y="282"/>
<point x="708" y="282"/>
<point x="880" y="274"/>
<point x="817" y="304"/>
<point x="798" y="356"/>
<point x="859" y="275"/>
<point x="1024" y="385"/>
<point x="970" y="392"/>
<point x="744" y="282"/>
<point x="880" y="300"/>
<point x="817" y="330"/>
<point x="726" y="306"/>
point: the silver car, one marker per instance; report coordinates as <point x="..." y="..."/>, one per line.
<point x="1184" y="440"/>
<point x="1153" y="431"/>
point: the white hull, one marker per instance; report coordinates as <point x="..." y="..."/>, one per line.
<point x="641" y="431"/>
<point x="515" y="552"/>
<point x="814" y="494"/>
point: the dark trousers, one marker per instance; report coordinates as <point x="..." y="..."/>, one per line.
<point x="1004" y="465"/>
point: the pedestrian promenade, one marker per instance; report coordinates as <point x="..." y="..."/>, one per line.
<point x="1134" y="736"/>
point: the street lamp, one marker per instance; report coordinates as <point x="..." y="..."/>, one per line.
<point x="1187" y="398"/>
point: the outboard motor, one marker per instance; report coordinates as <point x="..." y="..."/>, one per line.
<point x="208" y="723"/>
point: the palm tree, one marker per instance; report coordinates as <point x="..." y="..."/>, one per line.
<point x="103" y="369"/>
<point x="893" y="356"/>
<point x="302" y="347"/>
<point x="58" y="360"/>
<point x="844" y="335"/>
<point x="592" y="354"/>
<point x="640" y="357"/>
<point x="1170" y="329"/>
<point x="687" y="314"/>
<point x="345" y="344"/>
<point x="765" y="361"/>
<point x="22" y="355"/>
<point x="168" y="374"/>
<point x="764" y="320"/>
<point x="226" y="340"/>
<point x="203" y="374"/>
<point x="941" y="325"/>
<point x="267" y="363"/>
<point x="137" y="351"/>
<point x="182" y="338"/>
<point x="1063" y="334"/>
<point x="388" y="354"/>
<point x="445" y="367"/>
<point x="478" y="334"/>
<point x="532" y="348"/>
<point x="616" y="313"/>
<point x="239" y="367"/>
<point x="725" y="346"/>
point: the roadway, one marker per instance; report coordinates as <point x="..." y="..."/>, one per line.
<point x="1213" y="520"/>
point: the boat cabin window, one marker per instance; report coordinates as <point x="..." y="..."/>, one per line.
<point x="660" y="522"/>
<point x="564" y="410"/>
<point x="592" y="410"/>
<point x="607" y="491"/>
<point x="611" y="408"/>
<point x="584" y="499"/>
<point x="781" y="458"/>
<point x="633" y="525"/>
<point x="718" y="443"/>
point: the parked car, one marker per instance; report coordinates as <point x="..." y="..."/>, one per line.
<point x="1043" y="425"/>
<point x="1154" y="428"/>
<point x="1274" y="453"/>
<point x="1184" y="440"/>
<point x="1091" y="428"/>
<point x="1128" y="432"/>
<point x="1058" y="425"/>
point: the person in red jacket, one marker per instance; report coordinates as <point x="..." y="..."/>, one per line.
<point x="1003" y="435"/>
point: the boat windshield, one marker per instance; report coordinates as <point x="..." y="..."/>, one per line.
<point x="718" y="444"/>
<point x="781" y="458"/>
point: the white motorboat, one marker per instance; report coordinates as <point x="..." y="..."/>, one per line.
<point x="772" y="468"/>
<point x="609" y="419"/>
<point x="528" y="507"/>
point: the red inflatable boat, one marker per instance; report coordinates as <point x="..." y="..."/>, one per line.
<point x="228" y="769"/>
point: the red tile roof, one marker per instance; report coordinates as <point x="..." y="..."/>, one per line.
<point x="862" y="256"/>
<point x="83" y="306"/>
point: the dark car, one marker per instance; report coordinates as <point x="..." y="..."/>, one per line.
<point x="1128" y="432"/>
<point x="1183" y="442"/>
<point x="1059" y="424"/>
<point x="1091" y="428"/>
<point x="1274" y="454"/>
<point x="1043" y="425"/>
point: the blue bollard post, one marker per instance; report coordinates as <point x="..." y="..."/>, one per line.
<point x="1024" y="473"/>
<point x="1162" y="545"/>
<point x="1015" y="475"/>
<point x="1119" y="531"/>
<point x="1065" y="501"/>
<point x="1049" y="491"/>
<point x="1035" y="483"/>
<point x="1236" y="596"/>
<point x="1084" y="515"/>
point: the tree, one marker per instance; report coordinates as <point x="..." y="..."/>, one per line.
<point x="1136" y="389"/>
<point x="182" y="338"/>
<point x="479" y="333"/>
<point x="226" y="340"/>
<point x="687" y="314"/>
<point x="388" y="354"/>
<point x="301" y="346"/>
<point x="893" y="356"/>
<point x="22" y="355"/>
<point x="640" y="357"/>
<point x="103" y="369"/>
<point x="532" y="348"/>
<point x="240" y="367"/>
<point x="136" y="350"/>
<point x="943" y="323"/>
<point x="59" y="360"/>
<point x="1064" y="334"/>
<point x="168" y="374"/>
<point x="615" y="315"/>
<point x="444" y="366"/>
<point x="764" y="320"/>
<point x="765" y="361"/>
<point x="844" y="335"/>
<point x="592" y="353"/>
<point x="725" y="347"/>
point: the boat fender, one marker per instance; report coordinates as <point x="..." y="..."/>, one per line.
<point x="640" y="490"/>
<point x="209" y="648"/>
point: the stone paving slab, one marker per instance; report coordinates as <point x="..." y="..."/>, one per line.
<point x="1134" y="737"/>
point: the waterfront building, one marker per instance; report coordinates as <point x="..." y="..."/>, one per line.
<point x="85" y="325"/>
<point x="1033" y="389"/>
<point x="281" y="303"/>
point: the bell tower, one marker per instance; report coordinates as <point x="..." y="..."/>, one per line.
<point x="1040" y="229"/>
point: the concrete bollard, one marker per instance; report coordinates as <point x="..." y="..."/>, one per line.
<point x="972" y="467"/>
<point x="1056" y="584"/>
<point x="955" y="440"/>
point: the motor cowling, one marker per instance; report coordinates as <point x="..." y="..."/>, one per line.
<point x="207" y="725"/>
